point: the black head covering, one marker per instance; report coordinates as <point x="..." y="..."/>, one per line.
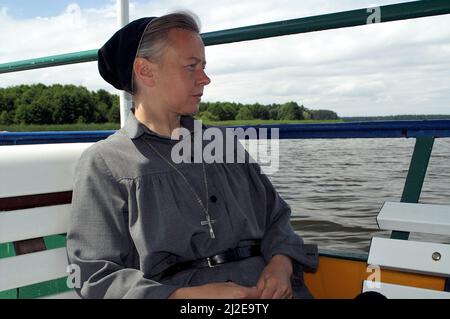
<point x="116" y="56"/>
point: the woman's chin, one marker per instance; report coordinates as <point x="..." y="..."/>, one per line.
<point x="191" y="110"/>
<point x="187" y="109"/>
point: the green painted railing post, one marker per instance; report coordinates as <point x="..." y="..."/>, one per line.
<point x="416" y="176"/>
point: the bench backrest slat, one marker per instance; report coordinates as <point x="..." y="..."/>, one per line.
<point x="33" y="222"/>
<point x="33" y="268"/>
<point x="427" y="258"/>
<point x="423" y="218"/>
<point x="71" y="294"/>
<point x="410" y="255"/>
<point x="35" y="191"/>
<point x="392" y="291"/>
<point x="38" y="169"/>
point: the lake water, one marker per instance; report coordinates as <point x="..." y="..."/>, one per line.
<point x="336" y="187"/>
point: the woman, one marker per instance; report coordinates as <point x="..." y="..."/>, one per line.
<point x="144" y="226"/>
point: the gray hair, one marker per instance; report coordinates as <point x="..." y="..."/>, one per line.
<point x="155" y="37"/>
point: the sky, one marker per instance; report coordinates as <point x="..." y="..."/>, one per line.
<point x="400" y="67"/>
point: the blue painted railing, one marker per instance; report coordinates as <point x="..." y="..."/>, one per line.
<point x="378" y="129"/>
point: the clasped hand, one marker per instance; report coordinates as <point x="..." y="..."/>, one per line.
<point x="275" y="280"/>
<point x="273" y="283"/>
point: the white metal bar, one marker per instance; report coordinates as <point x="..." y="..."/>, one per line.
<point x="33" y="268"/>
<point x="123" y="17"/>
<point x="33" y="222"/>
<point x="424" y="218"/>
<point x="123" y="12"/>
<point x="125" y="106"/>
<point x="412" y="256"/>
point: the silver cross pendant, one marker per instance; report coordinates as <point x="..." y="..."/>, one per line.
<point x="209" y="222"/>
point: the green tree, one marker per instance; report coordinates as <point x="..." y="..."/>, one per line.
<point x="21" y="115"/>
<point x="306" y="115"/>
<point x="71" y="103"/>
<point x="259" y="111"/>
<point x="31" y="94"/>
<point x="103" y="103"/>
<point x="217" y="110"/>
<point x="114" y="114"/>
<point x="207" y="116"/>
<point x="244" y="114"/>
<point x="203" y="106"/>
<point x="6" y="118"/>
<point x="323" y="115"/>
<point x="40" y="111"/>
<point x="273" y="110"/>
<point x="103" y="96"/>
<point x="101" y="112"/>
<point x="65" y="104"/>
<point x="230" y="111"/>
<point x="7" y="108"/>
<point x="290" y="111"/>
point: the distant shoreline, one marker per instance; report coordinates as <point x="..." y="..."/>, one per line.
<point x="406" y="117"/>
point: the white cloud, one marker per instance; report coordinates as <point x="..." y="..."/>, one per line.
<point x="390" y="68"/>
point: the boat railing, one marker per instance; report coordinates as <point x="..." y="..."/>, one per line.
<point x="381" y="14"/>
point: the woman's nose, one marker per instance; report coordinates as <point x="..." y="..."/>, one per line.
<point x="204" y="79"/>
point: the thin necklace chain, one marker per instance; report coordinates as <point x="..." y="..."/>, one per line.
<point x="199" y="200"/>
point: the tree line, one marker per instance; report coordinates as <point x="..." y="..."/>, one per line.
<point x="57" y="104"/>
<point x="397" y="117"/>
<point x="68" y="104"/>
<point x="227" y="111"/>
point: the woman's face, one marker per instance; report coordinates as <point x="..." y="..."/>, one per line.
<point x="180" y="76"/>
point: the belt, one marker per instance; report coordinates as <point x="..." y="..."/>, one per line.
<point x="233" y="254"/>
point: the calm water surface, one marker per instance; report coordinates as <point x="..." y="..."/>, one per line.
<point x="336" y="187"/>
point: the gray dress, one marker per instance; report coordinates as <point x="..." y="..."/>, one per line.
<point x="133" y="216"/>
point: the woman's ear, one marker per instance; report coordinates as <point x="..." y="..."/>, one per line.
<point x="144" y="72"/>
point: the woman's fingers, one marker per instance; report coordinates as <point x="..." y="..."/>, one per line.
<point x="252" y="293"/>
<point x="273" y="289"/>
<point x="261" y="283"/>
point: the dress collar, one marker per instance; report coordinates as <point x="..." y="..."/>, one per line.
<point x="134" y="129"/>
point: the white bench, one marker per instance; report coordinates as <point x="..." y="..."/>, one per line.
<point x="407" y="255"/>
<point x="29" y="173"/>
<point x="35" y="175"/>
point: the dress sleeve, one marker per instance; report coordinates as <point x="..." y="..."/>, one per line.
<point x="99" y="244"/>
<point x="279" y="236"/>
